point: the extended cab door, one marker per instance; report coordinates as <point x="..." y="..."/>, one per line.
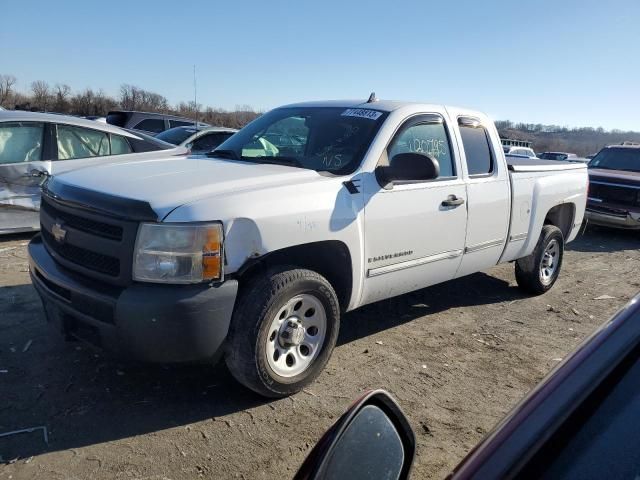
<point x="415" y="231"/>
<point x="488" y="193"/>
<point x="24" y="163"/>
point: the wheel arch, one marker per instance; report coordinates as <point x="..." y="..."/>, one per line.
<point x="329" y="258"/>
<point x="561" y="216"/>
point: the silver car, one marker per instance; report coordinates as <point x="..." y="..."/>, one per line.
<point x="36" y="145"/>
<point x="199" y="141"/>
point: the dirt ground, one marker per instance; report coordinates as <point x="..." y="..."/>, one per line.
<point x="457" y="357"/>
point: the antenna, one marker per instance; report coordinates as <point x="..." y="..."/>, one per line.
<point x="372" y="98"/>
<point x="195" y="96"/>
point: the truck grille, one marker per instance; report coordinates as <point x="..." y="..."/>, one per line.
<point x="617" y="194"/>
<point x="86" y="225"/>
<point x="95" y="245"/>
<point x="83" y="257"/>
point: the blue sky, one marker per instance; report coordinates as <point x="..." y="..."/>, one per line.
<point x="557" y="62"/>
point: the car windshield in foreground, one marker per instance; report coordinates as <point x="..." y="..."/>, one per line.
<point x="317" y="138"/>
<point x="617" y="159"/>
<point x="176" y="135"/>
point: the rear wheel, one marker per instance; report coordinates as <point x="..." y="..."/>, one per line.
<point x="283" y="331"/>
<point x="538" y="272"/>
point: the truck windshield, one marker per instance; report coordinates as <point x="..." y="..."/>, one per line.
<point x="317" y="138"/>
<point x="617" y="159"/>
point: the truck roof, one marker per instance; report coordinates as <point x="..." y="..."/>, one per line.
<point x="380" y="105"/>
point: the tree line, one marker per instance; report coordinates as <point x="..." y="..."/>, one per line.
<point x="554" y="138"/>
<point x="59" y="98"/>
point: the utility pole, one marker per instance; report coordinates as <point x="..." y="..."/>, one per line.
<point x="195" y="95"/>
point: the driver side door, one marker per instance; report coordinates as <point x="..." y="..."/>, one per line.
<point x="415" y="233"/>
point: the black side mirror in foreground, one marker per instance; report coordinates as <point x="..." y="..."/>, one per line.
<point x="408" y="167"/>
<point x="372" y="440"/>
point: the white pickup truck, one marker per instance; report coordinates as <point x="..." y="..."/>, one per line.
<point x="311" y="210"/>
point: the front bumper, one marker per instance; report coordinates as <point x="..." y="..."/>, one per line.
<point x="147" y="322"/>
<point x="613" y="218"/>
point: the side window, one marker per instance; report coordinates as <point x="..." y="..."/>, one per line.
<point x="426" y="138"/>
<point x="119" y="145"/>
<point x="206" y="143"/>
<point x="20" y="142"/>
<point x="476" y="148"/>
<point x="78" y="142"/>
<point x="155" y="125"/>
<point x="178" y="123"/>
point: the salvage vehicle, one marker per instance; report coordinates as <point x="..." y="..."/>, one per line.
<point x="614" y="187"/>
<point x="197" y="140"/>
<point x="255" y="253"/>
<point x="35" y="145"/>
<point x="579" y="422"/>
<point x="150" y="123"/>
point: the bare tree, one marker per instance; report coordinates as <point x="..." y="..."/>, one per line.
<point x="6" y="84"/>
<point x="61" y="93"/>
<point x="41" y="94"/>
<point x="136" y="98"/>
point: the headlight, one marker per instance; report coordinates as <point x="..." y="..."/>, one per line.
<point x="178" y="253"/>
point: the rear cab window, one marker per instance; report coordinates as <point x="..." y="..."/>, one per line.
<point x="477" y="148"/>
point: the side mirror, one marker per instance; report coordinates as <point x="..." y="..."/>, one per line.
<point x="372" y="440"/>
<point x="407" y="167"/>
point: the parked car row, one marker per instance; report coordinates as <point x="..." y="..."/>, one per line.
<point x="148" y="122"/>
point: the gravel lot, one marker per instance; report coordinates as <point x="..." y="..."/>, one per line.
<point x="456" y="356"/>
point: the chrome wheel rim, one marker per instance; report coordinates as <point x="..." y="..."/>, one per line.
<point x="296" y="335"/>
<point x="549" y="263"/>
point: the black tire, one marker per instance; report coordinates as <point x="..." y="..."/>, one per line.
<point x="258" y="303"/>
<point x="528" y="269"/>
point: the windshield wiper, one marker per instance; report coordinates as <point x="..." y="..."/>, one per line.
<point x="224" y="154"/>
<point x="276" y="160"/>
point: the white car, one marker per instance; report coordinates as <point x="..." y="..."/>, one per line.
<point x="36" y="145"/>
<point x="309" y="211"/>
<point x="197" y="140"/>
<point x="525" y="151"/>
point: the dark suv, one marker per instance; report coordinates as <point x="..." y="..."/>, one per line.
<point x="614" y="187"/>
<point x="149" y="123"/>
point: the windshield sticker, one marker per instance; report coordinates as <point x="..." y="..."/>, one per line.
<point x="362" y="113"/>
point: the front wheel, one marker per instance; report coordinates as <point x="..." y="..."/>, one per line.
<point x="538" y="272"/>
<point x="283" y="331"/>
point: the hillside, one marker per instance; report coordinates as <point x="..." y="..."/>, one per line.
<point x="582" y="141"/>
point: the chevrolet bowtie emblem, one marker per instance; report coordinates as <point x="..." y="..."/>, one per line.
<point x="58" y="232"/>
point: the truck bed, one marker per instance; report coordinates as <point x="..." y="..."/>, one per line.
<point x="518" y="164"/>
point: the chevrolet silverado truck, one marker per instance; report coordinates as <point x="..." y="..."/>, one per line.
<point x="310" y="211"/>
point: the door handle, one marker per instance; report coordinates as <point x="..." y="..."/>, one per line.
<point x="35" y="173"/>
<point x="452" y="201"/>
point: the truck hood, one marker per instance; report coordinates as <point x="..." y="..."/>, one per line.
<point x="168" y="184"/>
